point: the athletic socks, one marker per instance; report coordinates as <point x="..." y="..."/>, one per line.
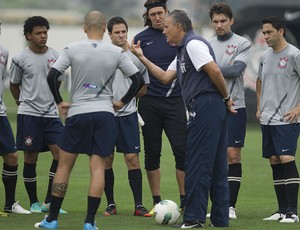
<point x="109" y="186"/>
<point x="29" y="178"/>
<point x="182" y="201"/>
<point x="291" y="185"/>
<point x="156" y="199"/>
<point x="51" y="177"/>
<point x="92" y="207"/>
<point x="234" y="181"/>
<point x="55" y="206"/>
<point x="135" y="182"/>
<point x="279" y="186"/>
<point x="9" y="179"/>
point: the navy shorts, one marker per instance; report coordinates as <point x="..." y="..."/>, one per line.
<point x="237" y="128"/>
<point x="89" y="133"/>
<point x="128" y="140"/>
<point x="35" y="134"/>
<point x="7" y="141"/>
<point x="279" y="140"/>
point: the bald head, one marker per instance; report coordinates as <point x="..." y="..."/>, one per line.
<point x="94" y="20"/>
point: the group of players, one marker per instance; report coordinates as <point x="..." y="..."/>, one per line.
<point x="192" y="76"/>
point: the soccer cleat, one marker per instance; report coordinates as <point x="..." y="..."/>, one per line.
<point x="275" y="216"/>
<point x="45" y="224"/>
<point x="36" y="207"/>
<point x="4" y="214"/>
<point x="46" y="208"/>
<point x="232" y="214"/>
<point x="152" y="210"/>
<point x="110" y="210"/>
<point x="89" y="226"/>
<point x="290" y="218"/>
<point x="16" y="208"/>
<point x="141" y="211"/>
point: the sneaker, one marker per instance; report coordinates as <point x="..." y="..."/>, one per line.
<point x="110" y="210"/>
<point x="89" y="226"/>
<point x="275" y="216"/>
<point x="16" y="208"/>
<point x="36" y="207"/>
<point x="232" y="214"/>
<point x="290" y="218"/>
<point x="45" y="224"/>
<point x="192" y="224"/>
<point x="141" y="211"/>
<point x="46" y="208"/>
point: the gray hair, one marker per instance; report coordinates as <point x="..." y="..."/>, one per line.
<point x="181" y="17"/>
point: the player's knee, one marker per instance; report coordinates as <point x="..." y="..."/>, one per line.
<point x="11" y="159"/>
<point x="179" y="155"/>
<point x="152" y="161"/>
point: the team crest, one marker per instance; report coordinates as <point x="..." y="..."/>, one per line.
<point x="28" y="141"/>
<point x="282" y="64"/>
<point x="51" y="62"/>
<point x="230" y="49"/>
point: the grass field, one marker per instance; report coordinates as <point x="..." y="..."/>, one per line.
<point x="256" y="199"/>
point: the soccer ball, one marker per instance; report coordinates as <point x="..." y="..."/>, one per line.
<point x="166" y="212"/>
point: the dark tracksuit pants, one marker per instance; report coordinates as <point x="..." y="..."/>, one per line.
<point x="206" y="160"/>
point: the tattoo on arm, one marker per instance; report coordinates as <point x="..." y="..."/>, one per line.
<point x="59" y="189"/>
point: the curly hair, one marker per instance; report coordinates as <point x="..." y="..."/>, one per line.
<point x="150" y="4"/>
<point x="34" y="21"/>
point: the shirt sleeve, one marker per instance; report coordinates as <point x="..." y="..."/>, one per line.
<point x="63" y="62"/>
<point x="172" y="66"/>
<point x="15" y="71"/>
<point x="199" y="53"/>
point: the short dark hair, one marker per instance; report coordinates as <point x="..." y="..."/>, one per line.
<point x="181" y="17"/>
<point x="150" y="4"/>
<point x="34" y="21"/>
<point x="221" y="8"/>
<point x="276" y="22"/>
<point x="115" y="21"/>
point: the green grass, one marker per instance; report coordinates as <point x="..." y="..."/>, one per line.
<point x="256" y="199"/>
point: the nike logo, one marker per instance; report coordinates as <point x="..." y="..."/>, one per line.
<point x="149" y="43"/>
<point x="237" y="142"/>
<point x="285" y="150"/>
<point x="191" y="226"/>
<point x="291" y="16"/>
<point x="136" y="147"/>
<point x="29" y="65"/>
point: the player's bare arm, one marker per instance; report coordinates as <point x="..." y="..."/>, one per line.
<point x="258" y="90"/>
<point x="15" y="91"/>
<point x="218" y="80"/>
<point x="164" y="76"/>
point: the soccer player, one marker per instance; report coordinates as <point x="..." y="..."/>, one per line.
<point x="90" y="125"/>
<point x="38" y="122"/>
<point x="232" y="54"/>
<point x="128" y="141"/>
<point x="206" y="97"/>
<point x="278" y="109"/>
<point x="8" y="147"/>
<point x="162" y="108"/>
